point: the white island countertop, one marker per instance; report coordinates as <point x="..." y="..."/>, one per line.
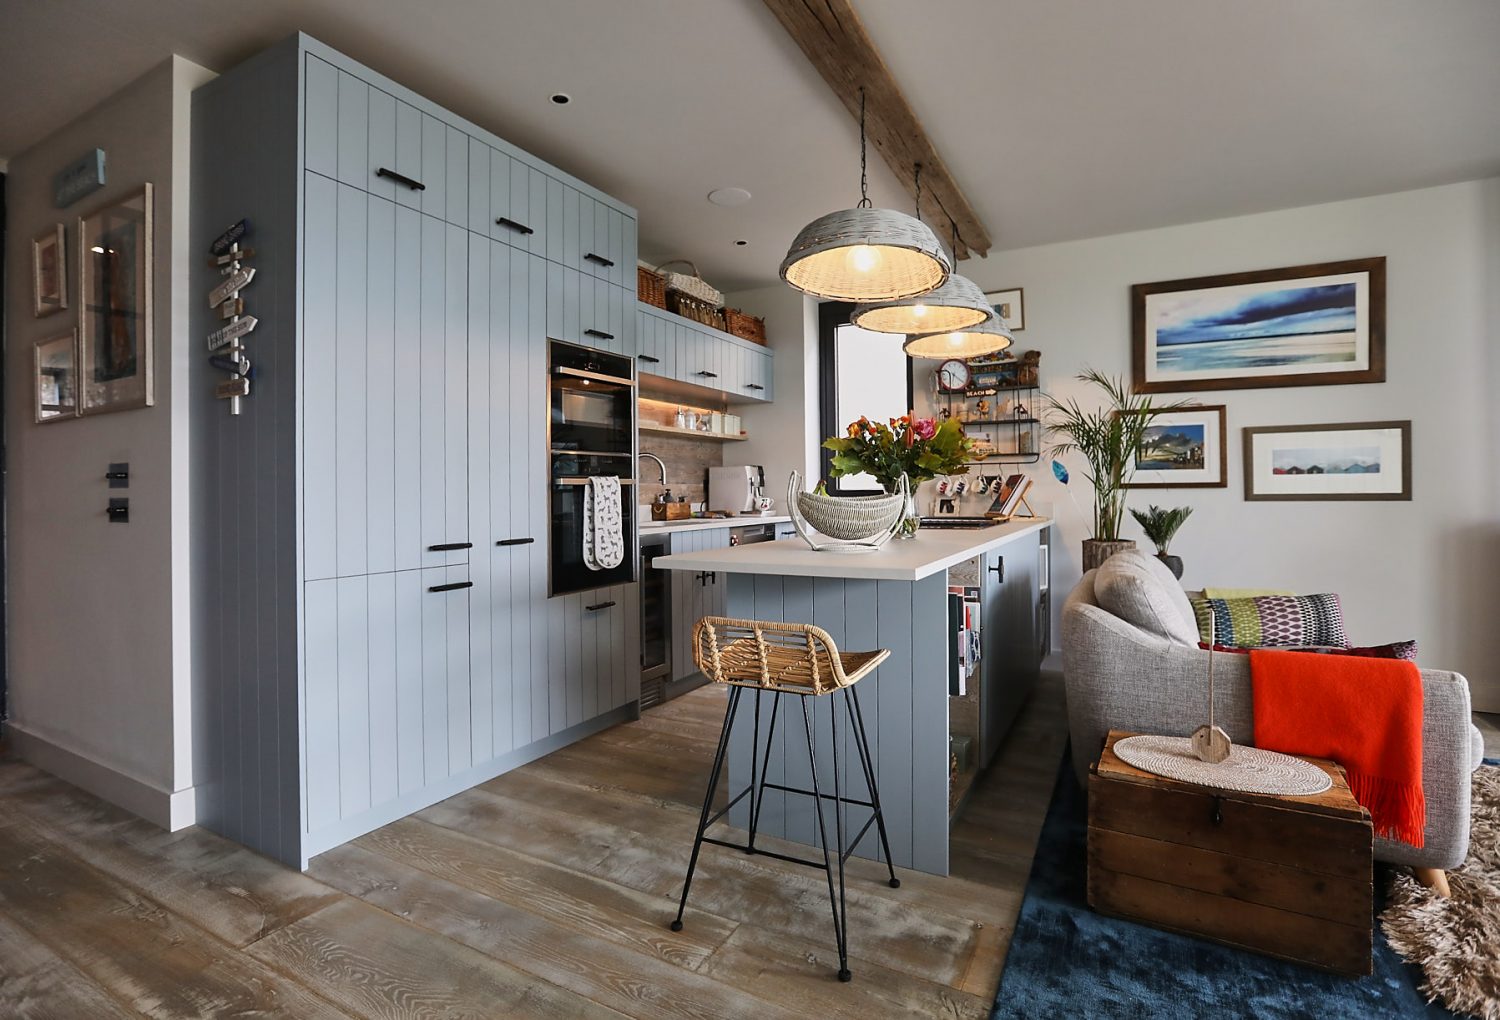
<point x="705" y="523"/>
<point x="933" y="549"/>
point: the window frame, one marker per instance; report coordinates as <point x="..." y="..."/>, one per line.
<point x="831" y="315"/>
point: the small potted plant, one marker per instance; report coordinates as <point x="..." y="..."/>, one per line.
<point x="1108" y="438"/>
<point x="1160" y="524"/>
<point x="918" y="448"/>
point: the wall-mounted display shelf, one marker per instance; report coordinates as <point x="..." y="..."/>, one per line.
<point x="673" y="430"/>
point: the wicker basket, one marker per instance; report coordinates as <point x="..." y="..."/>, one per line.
<point x="690" y="307"/>
<point x="650" y="288"/>
<point x="851" y="518"/>
<point x="693" y="286"/>
<point x="746" y="327"/>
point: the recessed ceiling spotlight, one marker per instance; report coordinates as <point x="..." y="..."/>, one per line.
<point x="741" y="243"/>
<point x="561" y="98"/>
<point x="729" y="197"/>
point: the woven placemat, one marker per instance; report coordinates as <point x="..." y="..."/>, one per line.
<point x="1246" y="770"/>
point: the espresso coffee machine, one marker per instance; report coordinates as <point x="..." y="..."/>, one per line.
<point x="738" y="488"/>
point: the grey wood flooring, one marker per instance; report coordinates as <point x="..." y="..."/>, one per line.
<point x="543" y="893"/>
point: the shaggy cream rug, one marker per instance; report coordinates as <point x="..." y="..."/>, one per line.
<point x="1456" y="941"/>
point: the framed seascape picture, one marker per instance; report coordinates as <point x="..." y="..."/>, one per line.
<point x="1302" y="326"/>
<point x="114" y="322"/>
<point x="1010" y="306"/>
<point x="1186" y="449"/>
<point x="55" y="364"/>
<point x="49" y="272"/>
<point x="1363" y="460"/>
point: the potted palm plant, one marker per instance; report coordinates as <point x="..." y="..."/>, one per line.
<point x="1107" y="437"/>
<point x="1160" y="525"/>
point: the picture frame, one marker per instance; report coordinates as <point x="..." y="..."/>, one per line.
<point x="1312" y="325"/>
<point x="116" y="359"/>
<point x="55" y="377"/>
<point x="1190" y="450"/>
<point x="1009" y="304"/>
<point x="1368" y="460"/>
<point x="49" y="271"/>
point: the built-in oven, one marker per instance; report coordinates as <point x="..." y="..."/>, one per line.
<point x="590" y="433"/>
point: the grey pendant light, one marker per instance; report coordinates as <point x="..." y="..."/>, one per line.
<point x="957" y="304"/>
<point x="864" y="253"/>
<point x="986" y="338"/>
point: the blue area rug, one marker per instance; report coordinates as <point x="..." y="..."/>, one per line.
<point x="1067" y="961"/>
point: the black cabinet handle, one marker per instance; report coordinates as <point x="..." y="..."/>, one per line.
<point x="598" y="605"/>
<point x="648" y="359"/>
<point x="709" y="375"/>
<point x="599" y="333"/>
<point x="520" y="228"/>
<point x="706" y="578"/>
<point x="401" y="179"/>
<point x="515" y="541"/>
<point x="450" y="546"/>
<point x="998" y="569"/>
<point x="455" y="586"/>
<point x="599" y="260"/>
<point x="754" y="386"/>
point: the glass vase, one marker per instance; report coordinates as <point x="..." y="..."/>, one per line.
<point x="911" y="520"/>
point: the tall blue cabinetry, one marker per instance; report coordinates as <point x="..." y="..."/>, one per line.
<point x="363" y="646"/>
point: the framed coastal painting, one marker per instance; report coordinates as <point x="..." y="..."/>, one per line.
<point x="1362" y="460"/>
<point x="1010" y="306"/>
<point x="49" y="272"/>
<point x="1184" y="449"/>
<point x="114" y="321"/>
<point x="1301" y="326"/>
<point x="55" y="379"/>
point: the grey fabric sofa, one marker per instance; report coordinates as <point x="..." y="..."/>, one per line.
<point x="1122" y="676"/>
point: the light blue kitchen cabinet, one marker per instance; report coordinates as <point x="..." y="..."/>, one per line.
<point x="672" y="347"/>
<point x="371" y="534"/>
<point x="695" y="594"/>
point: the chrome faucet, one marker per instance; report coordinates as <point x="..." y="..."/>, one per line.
<point x="659" y="462"/>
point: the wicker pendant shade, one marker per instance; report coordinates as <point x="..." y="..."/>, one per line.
<point x="957" y="304"/>
<point x="986" y="338"/>
<point x="865" y="254"/>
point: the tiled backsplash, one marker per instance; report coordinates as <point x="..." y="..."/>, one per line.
<point x="687" y="460"/>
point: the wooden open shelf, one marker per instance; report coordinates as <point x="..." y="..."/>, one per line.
<point x="673" y="430"/>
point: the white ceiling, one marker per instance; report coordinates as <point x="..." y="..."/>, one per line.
<point x="1060" y="118"/>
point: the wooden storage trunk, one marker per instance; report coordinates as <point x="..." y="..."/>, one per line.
<point x="1290" y="877"/>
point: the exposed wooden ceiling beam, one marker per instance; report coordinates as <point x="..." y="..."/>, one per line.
<point x="835" y="41"/>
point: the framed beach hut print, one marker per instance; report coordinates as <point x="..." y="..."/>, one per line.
<point x="1009" y="305"/>
<point x="114" y="315"/>
<point x="1184" y="449"/>
<point x="1361" y="460"/>
<point x="1302" y="326"/>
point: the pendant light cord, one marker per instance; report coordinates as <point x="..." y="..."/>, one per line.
<point x="864" y="180"/>
<point x="916" y="178"/>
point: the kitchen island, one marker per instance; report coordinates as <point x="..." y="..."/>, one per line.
<point x="895" y="598"/>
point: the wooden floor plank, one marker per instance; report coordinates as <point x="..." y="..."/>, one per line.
<point x="214" y="883"/>
<point x="375" y="964"/>
<point x="588" y="905"/>
<point x="636" y="984"/>
<point x="145" y="956"/>
<point x="37" y="984"/>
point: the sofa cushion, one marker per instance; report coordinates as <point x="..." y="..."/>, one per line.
<point x="1272" y="621"/>
<point x="1140" y="590"/>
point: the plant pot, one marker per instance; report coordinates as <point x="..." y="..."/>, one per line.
<point x="1097" y="550"/>
<point x="1174" y="564"/>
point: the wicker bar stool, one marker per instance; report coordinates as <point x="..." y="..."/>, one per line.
<point x="797" y="660"/>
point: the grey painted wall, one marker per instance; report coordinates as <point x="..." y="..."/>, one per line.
<point x="98" y="612"/>
<point x="1424" y="569"/>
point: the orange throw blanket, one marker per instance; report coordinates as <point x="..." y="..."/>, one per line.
<point x="1365" y="714"/>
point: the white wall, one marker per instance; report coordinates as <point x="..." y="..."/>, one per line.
<point x="1428" y="569"/>
<point x="784" y="434"/>
<point x="98" y="665"/>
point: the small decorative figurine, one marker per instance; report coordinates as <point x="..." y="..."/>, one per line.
<point x="1210" y="742"/>
<point x="983" y="408"/>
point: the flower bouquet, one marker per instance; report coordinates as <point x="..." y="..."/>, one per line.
<point x="918" y="448"/>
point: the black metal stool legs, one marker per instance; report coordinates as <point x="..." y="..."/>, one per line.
<point x="708" y="800"/>
<point x="862" y="741"/>
<point x="840" y="917"/>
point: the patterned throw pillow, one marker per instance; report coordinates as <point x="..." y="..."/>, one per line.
<point x="1271" y="621"/>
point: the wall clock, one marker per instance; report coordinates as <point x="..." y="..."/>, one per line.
<point x="953" y="376"/>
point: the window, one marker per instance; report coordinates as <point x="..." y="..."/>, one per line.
<point x="862" y="373"/>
